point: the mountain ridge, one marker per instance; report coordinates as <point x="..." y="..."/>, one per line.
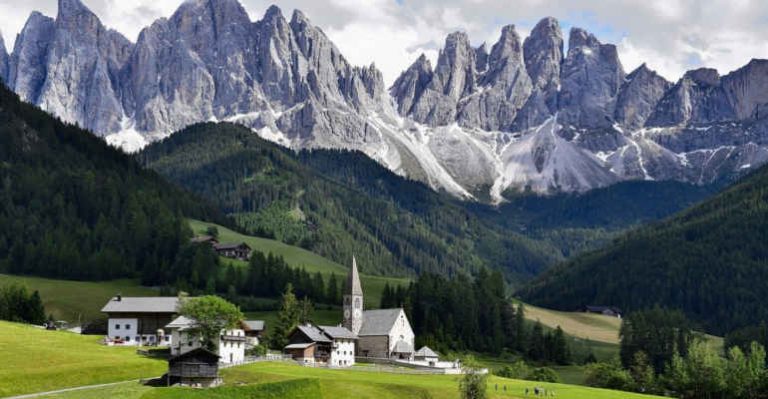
<point x="524" y="116"/>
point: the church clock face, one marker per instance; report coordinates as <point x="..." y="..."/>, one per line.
<point x="346" y="313"/>
<point x="357" y="313"/>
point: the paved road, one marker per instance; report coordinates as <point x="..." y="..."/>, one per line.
<point x="38" y="394"/>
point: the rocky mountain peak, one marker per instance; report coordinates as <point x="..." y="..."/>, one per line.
<point x="273" y="12"/>
<point x="704" y="76"/>
<point x="579" y="38"/>
<point x="481" y="58"/>
<point x="543" y="50"/>
<point x="298" y="17"/>
<point x="591" y="76"/>
<point x="4" y="60"/>
<point x="72" y="9"/>
<point x="638" y="96"/>
<point x="411" y="83"/>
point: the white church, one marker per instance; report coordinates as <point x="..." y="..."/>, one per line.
<point x="376" y="333"/>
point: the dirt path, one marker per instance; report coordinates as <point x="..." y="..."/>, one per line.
<point x="84" y="387"/>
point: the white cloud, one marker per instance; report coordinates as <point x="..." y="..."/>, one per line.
<point x="671" y="36"/>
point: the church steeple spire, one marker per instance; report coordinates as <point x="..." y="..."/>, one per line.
<point x="353" y="300"/>
<point x="353" y="280"/>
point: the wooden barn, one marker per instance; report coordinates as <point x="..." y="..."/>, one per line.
<point x="239" y="251"/>
<point x="196" y="368"/>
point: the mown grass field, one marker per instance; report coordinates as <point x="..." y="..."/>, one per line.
<point x="373" y="286"/>
<point x="587" y="326"/>
<point x="77" y="300"/>
<point x="289" y="381"/>
<point x="35" y="360"/>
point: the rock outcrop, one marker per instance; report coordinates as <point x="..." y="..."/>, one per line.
<point x="520" y="115"/>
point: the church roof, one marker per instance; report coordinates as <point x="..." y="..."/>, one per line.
<point x="425" y="351"/>
<point x="353" y="280"/>
<point x="379" y="321"/>
<point x="337" y="332"/>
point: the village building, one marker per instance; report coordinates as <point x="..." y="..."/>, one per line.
<point x="603" y="310"/>
<point x="230" y="344"/>
<point x="381" y="333"/>
<point x="425" y="354"/>
<point x="253" y="332"/>
<point x="139" y="320"/>
<point x="239" y="251"/>
<point x="196" y="368"/>
<point x="330" y="345"/>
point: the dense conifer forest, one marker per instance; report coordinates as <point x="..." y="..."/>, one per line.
<point x="339" y="203"/>
<point x="710" y="261"/>
<point x="73" y="207"/>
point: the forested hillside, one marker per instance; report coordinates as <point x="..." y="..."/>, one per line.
<point x="339" y="203"/>
<point x="392" y="225"/>
<point x="73" y="207"/>
<point x="711" y="261"/>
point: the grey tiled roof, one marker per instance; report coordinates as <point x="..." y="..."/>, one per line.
<point x="313" y="333"/>
<point x="157" y="304"/>
<point x="425" y="351"/>
<point x="231" y="245"/>
<point x="338" y="332"/>
<point x="402" y="347"/>
<point x="379" y="321"/>
<point x="299" y="346"/>
<point x="181" y="323"/>
<point x="254" y="325"/>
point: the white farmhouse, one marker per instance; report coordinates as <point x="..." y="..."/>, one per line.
<point x="329" y="345"/>
<point x="230" y="345"/>
<point x="139" y="320"/>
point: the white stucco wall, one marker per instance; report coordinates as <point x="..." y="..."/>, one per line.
<point x="230" y="351"/>
<point x="343" y="355"/>
<point x="401" y="331"/>
<point x="125" y="329"/>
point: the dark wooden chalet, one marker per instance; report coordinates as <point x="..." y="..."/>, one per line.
<point x="235" y="251"/>
<point x="309" y="344"/>
<point x="198" y="367"/>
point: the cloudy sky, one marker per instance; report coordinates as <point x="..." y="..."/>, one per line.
<point x="671" y="36"/>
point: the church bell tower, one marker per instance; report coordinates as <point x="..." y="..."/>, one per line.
<point x="353" y="301"/>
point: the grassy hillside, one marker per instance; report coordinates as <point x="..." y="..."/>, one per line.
<point x="284" y="380"/>
<point x="35" y="360"/>
<point x="77" y="300"/>
<point x="710" y="261"/>
<point x="581" y="325"/>
<point x="301" y="258"/>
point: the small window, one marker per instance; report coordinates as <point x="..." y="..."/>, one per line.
<point x="127" y="339"/>
<point x="167" y="338"/>
<point x="127" y="326"/>
<point x="117" y="326"/>
<point x="190" y="343"/>
<point x="138" y="338"/>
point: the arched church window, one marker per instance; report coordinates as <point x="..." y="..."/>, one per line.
<point x="357" y="303"/>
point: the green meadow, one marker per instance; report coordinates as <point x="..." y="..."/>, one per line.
<point x="373" y="286"/>
<point x="77" y="300"/>
<point x="35" y="360"/>
<point x="289" y="381"/>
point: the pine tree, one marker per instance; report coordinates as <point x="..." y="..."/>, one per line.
<point x="287" y="319"/>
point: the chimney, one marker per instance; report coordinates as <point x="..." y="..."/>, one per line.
<point x="119" y="298"/>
